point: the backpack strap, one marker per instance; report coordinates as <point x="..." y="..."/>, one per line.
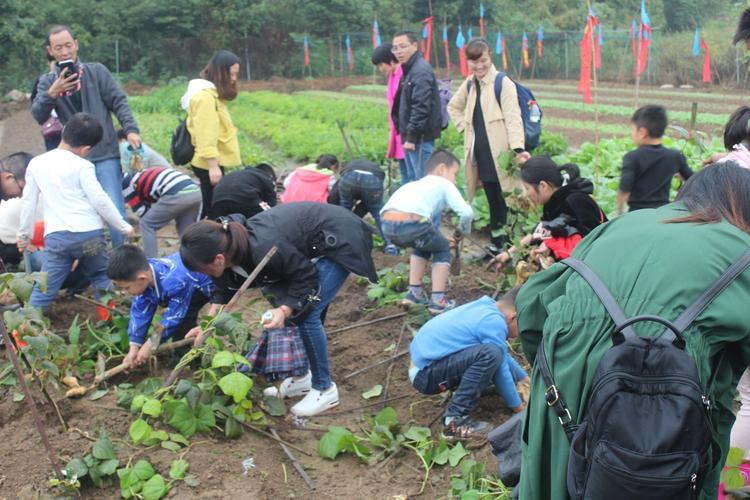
<point x="499" y="87"/>
<point x="553" y="396"/>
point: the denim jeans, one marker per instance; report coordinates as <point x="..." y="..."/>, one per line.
<point x="417" y="159"/>
<point x="61" y="248"/>
<point x="404" y="170"/>
<point x="109" y="175"/>
<point x="421" y="236"/>
<point x="331" y="277"/>
<point x="467" y="373"/>
<point x="367" y="188"/>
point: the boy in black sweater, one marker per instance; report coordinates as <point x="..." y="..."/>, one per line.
<point x="647" y="172"/>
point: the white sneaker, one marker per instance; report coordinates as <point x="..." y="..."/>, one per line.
<point x="291" y="387"/>
<point x="317" y="402"/>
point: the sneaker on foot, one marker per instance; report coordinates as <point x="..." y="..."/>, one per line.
<point x="291" y="387"/>
<point x="317" y="402"/>
<point x="411" y="300"/>
<point x="391" y="250"/>
<point x="441" y="307"/>
<point x="463" y="428"/>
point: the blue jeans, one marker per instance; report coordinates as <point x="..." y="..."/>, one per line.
<point x="365" y="188"/>
<point x="404" y="170"/>
<point x="331" y="277"/>
<point x="417" y="159"/>
<point x="109" y="175"/>
<point x="61" y="248"/>
<point x="421" y="236"/>
<point x="467" y="373"/>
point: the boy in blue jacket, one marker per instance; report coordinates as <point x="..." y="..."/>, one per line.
<point x="164" y="282"/>
<point x="465" y="350"/>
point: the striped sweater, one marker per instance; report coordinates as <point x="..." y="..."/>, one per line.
<point x="144" y="188"/>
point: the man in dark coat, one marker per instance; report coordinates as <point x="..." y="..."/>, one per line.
<point x="416" y="107"/>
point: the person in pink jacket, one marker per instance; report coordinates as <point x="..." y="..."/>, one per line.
<point x="388" y="65"/>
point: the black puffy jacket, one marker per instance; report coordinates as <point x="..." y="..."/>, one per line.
<point x="416" y="106"/>
<point x="302" y="231"/>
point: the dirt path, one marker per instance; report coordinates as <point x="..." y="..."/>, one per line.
<point x="19" y="131"/>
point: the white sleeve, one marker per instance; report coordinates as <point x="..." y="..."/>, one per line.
<point x="460" y="206"/>
<point x="28" y="206"/>
<point x="288" y="179"/>
<point x="100" y="200"/>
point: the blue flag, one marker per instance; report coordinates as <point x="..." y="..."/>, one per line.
<point x="460" y="40"/>
<point x="644" y="15"/>
<point x="424" y="32"/>
<point x="469" y="33"/>
<point x="445" y="33"/>
<point x="499" y="44"/>
<point x="540" y="33"/>
<point x="697" y="43"/>
<point x="601" y="37"/>
<point x="481" y="9"/>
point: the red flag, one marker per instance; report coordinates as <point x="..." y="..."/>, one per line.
<point x="447" y="55"/>
<point x="428" y="43"/>
<point x="644" y="43"/>
<point x="587" y="48"/>
<point x="706" y="62"/>
<point x="481" y="27"/>
<point x="307" y="53"/>
<point x="525" y="49"/>
<point x="462" y="62"/>
<point x="505" y="58"/>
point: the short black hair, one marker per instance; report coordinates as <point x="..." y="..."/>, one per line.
<point x="509" y="297"/>
<point x="408" y="34"/>
<point x="267" y="169"/>
<point x="743" y="28"/>
<point x="16" y="164"/>
<point x="327" y="161"/>
<point x="59" y="28"/>
<point x="439" y="157"/>
<point x="736" y="130"/>
<point x="476" y="48"/>
<point x="125" y="262"/>
<point x="83" y="129"/>
<point x="383" y="55"/>
<point x="653" y="118"/>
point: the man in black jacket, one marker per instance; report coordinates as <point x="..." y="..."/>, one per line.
<point x="416" y="106"/>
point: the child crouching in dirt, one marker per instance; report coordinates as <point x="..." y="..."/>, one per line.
<point x="157" y="283"/>
<point x="411" y="219"/>
<point x="312" y="182"/>
<point x="569" y="212"/>
<point x="465" y="350"/>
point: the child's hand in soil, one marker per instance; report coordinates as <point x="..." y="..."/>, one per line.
<point x="526" y="240"/>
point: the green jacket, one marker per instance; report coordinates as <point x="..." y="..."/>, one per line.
<point x="651" y="268"/>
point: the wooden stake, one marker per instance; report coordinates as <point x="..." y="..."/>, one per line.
<point x="390" y="367"/>
<point x="596" y="97"/>
<point x="297" y="466"/>
<point x="367" y="323"/>
<point x="30" y="402"/>
<point x="275" y="438"/>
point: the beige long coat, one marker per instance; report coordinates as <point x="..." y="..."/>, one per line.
<point x="503" y="123"/>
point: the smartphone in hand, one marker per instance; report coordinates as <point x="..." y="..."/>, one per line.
<point x="68" y="64"/>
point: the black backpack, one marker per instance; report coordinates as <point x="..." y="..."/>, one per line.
<point x="647" y="431"/>
<point x="182" y="149"/>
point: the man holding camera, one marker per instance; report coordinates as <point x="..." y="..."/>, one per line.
<point x="87" y="87"/>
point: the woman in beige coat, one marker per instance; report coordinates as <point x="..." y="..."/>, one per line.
<point x="490" y="129"/>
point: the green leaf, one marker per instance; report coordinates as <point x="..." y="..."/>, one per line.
<point x="152" y="407"/>
<point x="103" y="449"/>
<point x="169" y="445"/>
<point x="128" y="478"/>
<point x="18" y="397"/>
<point x="74" y="332"/>
<point x="108" y="467"/>
<point x="732" y="478"/>
<point x="143" y="470"/>
<point x="236" y="385"/>
<point x="457" y="454"/>
<point x="419" y="434"/>
<point x="139" y="431"/>
<point x="21" y="288"/>
<point x="442" y="454"/>
<point x="50" y="367"/>
<point x="98" y="394"/>
<point x="137" y="403"/>
<point x="735" y="457"/>
<point x="155" y="488"/>
<point x="182" y="417"/>
<point x="223" y="359"/>
<point x="178" y="469"/>
<point x="387" y="417"/>
<point x="242" y="360"/>
<point x="77" y="468"/>
<point x="471" y="495"/>
<point x="373" y="392"/>
<point x="232" y="428"/>
<point x="275" y="406"/>
<point x="179" y="438"/>
<point x="333" y="442"/>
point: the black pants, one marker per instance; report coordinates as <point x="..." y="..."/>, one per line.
<point x="498" y="210"/>
<point x="207" y="189"/>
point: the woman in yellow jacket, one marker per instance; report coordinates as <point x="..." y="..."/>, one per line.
<point x="490" y="129"/>
<point x="211" y="129"/>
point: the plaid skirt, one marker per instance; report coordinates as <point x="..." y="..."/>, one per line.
<point x="278" y="354"/>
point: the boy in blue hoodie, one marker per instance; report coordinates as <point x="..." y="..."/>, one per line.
<point x="154" y="283"/>
<point x="465" y="350"/>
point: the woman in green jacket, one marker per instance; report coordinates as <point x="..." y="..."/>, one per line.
<point x="654" y="262"/>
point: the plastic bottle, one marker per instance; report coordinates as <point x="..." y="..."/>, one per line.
<point x="535" y="114"/>
<point x="267" y="316"/>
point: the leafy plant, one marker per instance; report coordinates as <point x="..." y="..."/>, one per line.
<point x="97" y="465"/>
<point x="475" y="484"/>
<point x="391" y="285"/>
<point x="731" y="475"/>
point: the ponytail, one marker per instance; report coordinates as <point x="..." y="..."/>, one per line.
<point x="736" y="130"/>
<point x="542" y="168"/>
<point x="206" y="239"/>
